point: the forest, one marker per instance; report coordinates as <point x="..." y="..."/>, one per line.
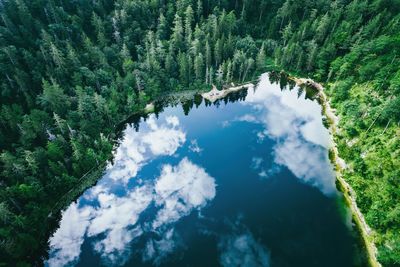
<point x="71" y="71"/>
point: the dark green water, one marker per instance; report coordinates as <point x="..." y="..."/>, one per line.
<point x="246" y="182"/>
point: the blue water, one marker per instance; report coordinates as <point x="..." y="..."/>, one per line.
<point x="245" y="183"/>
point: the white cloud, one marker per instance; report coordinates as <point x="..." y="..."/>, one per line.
<point x="156" y="251"/>
<point x="315" y="132"/>
<point x="308" y="162"/>
<point x="256" y="163"/>
<point x="136" y="148"/>
<point x="247" y="118"/>
<point x="114" y="217"/>
<point x="172" y="120"/>
<point x="242" y="250"/>
<point x="181" y="189"/>
<point x="114" y="249"/>
<point x="287" y="113"/>
<point x="261" y="136"/>
<point x="65" y="244"/>
<point x="295" y="123"/>
<point x="164" y="139"/>
<point x="265" y="174"/>
<point x="225" y="124"/>
<point x="194" y="146"/>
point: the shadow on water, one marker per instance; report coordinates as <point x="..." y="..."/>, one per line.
<point x="187" y="101"/>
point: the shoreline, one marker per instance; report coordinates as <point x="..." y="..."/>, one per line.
<point x="214" y="94"/>
<point x="349" y="194"/>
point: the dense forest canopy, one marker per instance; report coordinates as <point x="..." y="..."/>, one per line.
<point x="70" y="71"/>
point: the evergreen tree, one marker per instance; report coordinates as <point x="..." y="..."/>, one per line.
<point x="199" y="67"/>
<point x="261" y="58"/>
<point x="70" y="72"/>
<point x="177" y="33"/>
<point x="162" y="27"/>
<point x="189" y="19"/>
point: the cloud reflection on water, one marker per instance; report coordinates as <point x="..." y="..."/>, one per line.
<point x="294" y="122"/>
<point x="156" y="251"/>
<point x="138" y="147"/>
<point x="67" y="241"/>
<point x="115" y="220"/>
<point x="110" y="215"/>
<point x="240" y="248"/>
<point x="243" y="250"/>
<point x="181" y="189"/>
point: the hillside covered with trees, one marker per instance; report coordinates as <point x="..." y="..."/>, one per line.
<point x="70" y="71"/>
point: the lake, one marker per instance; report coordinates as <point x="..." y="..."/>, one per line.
<point x="245" y="181"/>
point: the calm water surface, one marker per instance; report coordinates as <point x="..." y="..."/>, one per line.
<point x="247" y="183"/>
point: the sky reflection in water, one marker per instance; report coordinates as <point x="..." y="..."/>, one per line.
<point x="136" y="214"/>
<point x="175" y="193"/>
<point x="295" y="124"/>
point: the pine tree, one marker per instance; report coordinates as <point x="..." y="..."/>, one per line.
<point x="199" y="10"/>
<point x="183" y="68"/>
<point x="199" y="67"/>
<point x="208" y="55"/>
<point x="170" y="64"/>
<point x="53" y="98"/>
<point x="228" y="77"/>
<point x="312" y="52"/>
<point x="210" y="75"/>
<point x="249" y="64"/>
<point x="162" y="27"/>
<point x="219" y="76"/>
<point x="218" y="52"/>
<point x="99" y="27"/>
<point x="189" y="19"/>
<point x="287" y="33"/>
<point x="57" y="56"/>
<point x="177" y="33"/>
<point x="261" y="57"/>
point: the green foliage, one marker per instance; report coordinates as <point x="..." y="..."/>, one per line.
<point x="70" y="71"/>
<point x="341" y="90"/>
<point x="391" y="110"/>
